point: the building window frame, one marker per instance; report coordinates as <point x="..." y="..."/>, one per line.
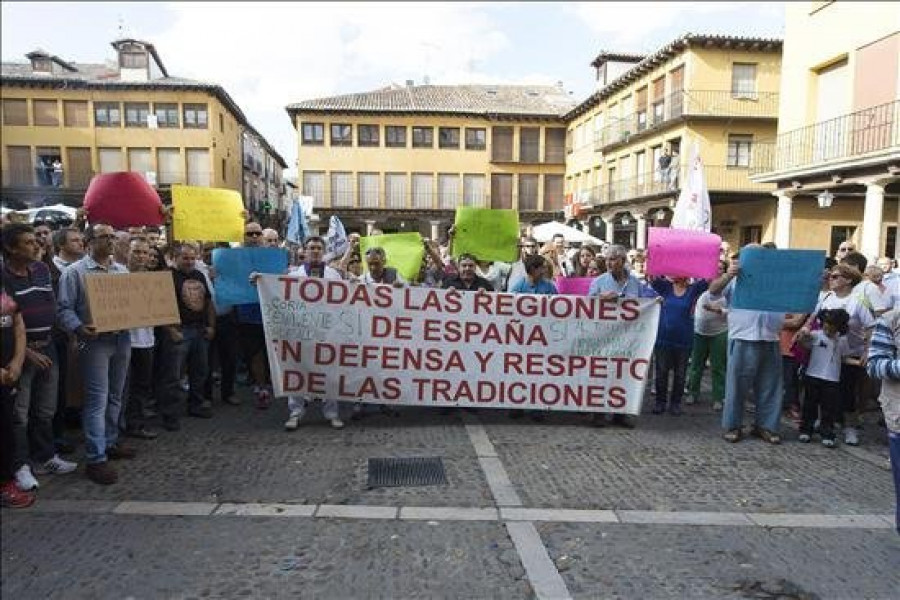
<point x="448" y="138"/>
<point x="395" y="136"/>
<point x="368" y="135"/>
<point x="313" y="134"/>
<point x="167" y="115"/>
<point x="340" y="134"/>
<point x="107" y="114"/>
<point x="422" y="137"/>
<point x="740" y="151"/>
<point x="139" y="110"/>
<point x="743" y="80"/>
<point x="195" y="116"/>
<point x="476" y="138"/>
<point x="21" y="105"/>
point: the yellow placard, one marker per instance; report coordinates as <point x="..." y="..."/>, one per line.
<point x="207" y="214"/>
<point x="120" y="301"/>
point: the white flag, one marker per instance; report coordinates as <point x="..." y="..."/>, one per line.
<point x="692" y="210"/>
<point x="336" y="242"/>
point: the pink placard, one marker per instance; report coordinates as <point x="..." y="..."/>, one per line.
<point x="683" y="253"/>
<point x="574" y="286"/>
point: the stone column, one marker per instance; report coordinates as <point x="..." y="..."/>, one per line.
<point x="608" y="221"/>
<point x="435" y="230"/>
<point x="873" y="212"/>
<point x="641" y="238"/>
<point x="783" y="218"/>
<point x="370" y="225"/>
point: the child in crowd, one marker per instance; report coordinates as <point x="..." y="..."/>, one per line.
<point x="828" y="349"/>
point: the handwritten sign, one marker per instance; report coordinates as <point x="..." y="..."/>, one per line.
<point x="683" y="253"/>
<point x="778" y="280"/>
<point x="488" y="234"/>
<point x="233" y="267"/>
<point x="574" y="286"/>
<point x="207" y="214"/>
<point x="426" y="347"/>
<point x="128" y="300"/>
<point x="404" y="251"/>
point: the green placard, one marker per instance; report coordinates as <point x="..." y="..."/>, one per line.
<point x="489" y="234"/>
<point x="404" y="251"/>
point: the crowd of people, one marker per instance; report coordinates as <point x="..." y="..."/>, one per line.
<point x="129" y="384"/>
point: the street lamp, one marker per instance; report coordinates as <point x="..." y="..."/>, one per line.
<point x="660" y="215"/>
<point x="625" y="220"/>
<point x="825" y="199"/>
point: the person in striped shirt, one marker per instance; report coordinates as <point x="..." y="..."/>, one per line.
<point x="884" y="363"/>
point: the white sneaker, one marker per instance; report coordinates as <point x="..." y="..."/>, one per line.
<point x="25" y="481"/>
<point x="293" y="422"/>
<point x="55" y="466"/>
<point x="337" y="424"/>
<point x="851" y="436"/>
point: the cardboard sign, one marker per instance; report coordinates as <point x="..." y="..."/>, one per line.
<point x="574" y="286"/>
<point x="426" y="347"/>
<point x="683" y="253"/>
<point x="403" y="251"/>
<point x="207" y="214"/>
<point x="120" y="301"/>
<point x="778" y="280"/>
<point x="488" y="234"/>
<point x="233" y="267"/>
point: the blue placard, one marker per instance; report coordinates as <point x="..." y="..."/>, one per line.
<point x="233" y="267"/>
<point x="779" y="280"/>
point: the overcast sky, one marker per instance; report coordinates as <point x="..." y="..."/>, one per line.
<point x="268" y="55"/>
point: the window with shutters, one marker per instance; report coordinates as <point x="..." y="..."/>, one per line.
<point x="743" y="80"/>
<point x="368" y="190"/>
<point x="341" y="134"/>
<point x="395" y="190"/>
<point x="501" y="190"/>
<point x="313" y="134"/>
<point x="314" y="185"/>
<point x="659" y="101"/>
<point x="78" y="169"/>
<point x="395" y="136"/>
<point x="448" y="137"/>
<point x="75" y="113"/>
<point x="166" y="116"/>
<point x="473" y="191"/>
<point x="422" y="190"/>
<point x="553" y="192"/>
<point x="18" y="170"/>
<point x="448" y="190"/>
<point x="554" y="145"/>
<point x="528" y="192"/>
<point x="196" y="116"/>
<point x="739" y="149"/>
<point x="476" y="138"/>
<point x="198" y="167"/>
<point x="15" y="111"/>
<point x="341" y="189"/>
<point x="501" y="144"/>
<point x="169" y="166"/>
<point x="640" y="109"/>
<point x="139" y="160"/>
<point x="110" y="160"/>
<point x="46" y="113"/>
<point x="530" y="144"/>
<point x="369" y="135"/>
<point x="136" y="114"/>
<point x="107" y="114"/>
<point x="423" y="137"/>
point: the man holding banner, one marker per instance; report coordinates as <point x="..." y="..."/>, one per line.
<point x="103" y="357"/>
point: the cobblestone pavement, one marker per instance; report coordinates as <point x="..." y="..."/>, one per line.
<point x="750" y="520"/>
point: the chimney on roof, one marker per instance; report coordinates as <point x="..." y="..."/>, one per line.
<point x="41" y="62"/>
<point x="134" y="59"/>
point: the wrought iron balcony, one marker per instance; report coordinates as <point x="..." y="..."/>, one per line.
<point x="865" y="133"/>
<point x="683" y="104"/>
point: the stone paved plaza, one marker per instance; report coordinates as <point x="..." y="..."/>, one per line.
<point x="235" y="507"/>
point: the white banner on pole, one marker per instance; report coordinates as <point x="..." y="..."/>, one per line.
<point x="425" y="347"/>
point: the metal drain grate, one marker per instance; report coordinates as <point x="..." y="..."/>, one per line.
<point x="395" y="472"/>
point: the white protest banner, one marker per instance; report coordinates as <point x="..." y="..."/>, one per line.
<point x="426" y="347"/>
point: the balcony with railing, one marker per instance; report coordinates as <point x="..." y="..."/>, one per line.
<point x="684" y="104"/>
<point x="864" y="134"/>
<point x="667" y="182"/>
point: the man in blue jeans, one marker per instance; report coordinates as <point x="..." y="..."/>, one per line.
<point x="187" y="344"/>
<point x="754" y="362"/>
<point x="102" y="357"/>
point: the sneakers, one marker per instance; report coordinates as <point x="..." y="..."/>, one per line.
<point x="804" y="438"/>
<point x="851" y="436"/>
<point x="101" y="473"/>
<point x="119" y="451"/>
<point x="337" y="424"/>
<point x="828" y="442"/>
<point x="293" y="422"/>
<point x="55" y="466"/>
<point x="717" y="405"/>
<point x="25" y="481"/>
<point x="12" y="497"/>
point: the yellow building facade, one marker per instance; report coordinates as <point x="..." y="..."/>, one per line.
<point x="717" y="94"/>
<point x="64" y="122"/>
<point x="403" y="158"/>
<point x="836" y="160"/>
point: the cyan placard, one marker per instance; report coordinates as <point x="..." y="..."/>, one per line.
<point x="778" y="280"/>
<point x="233" y="267"/>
